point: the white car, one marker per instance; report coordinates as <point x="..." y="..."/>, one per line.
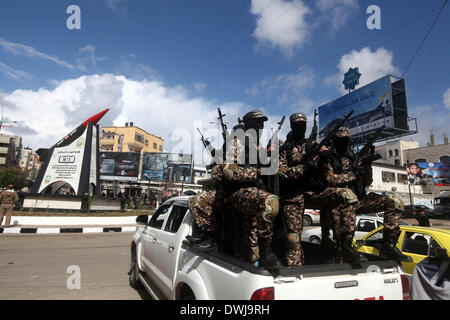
<point x="364" y="225"/>
<point x="311" y="217"/>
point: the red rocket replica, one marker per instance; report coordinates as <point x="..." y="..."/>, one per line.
<point x="43" y="153"/>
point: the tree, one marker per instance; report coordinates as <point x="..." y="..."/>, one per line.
<point x="14" y="176"/>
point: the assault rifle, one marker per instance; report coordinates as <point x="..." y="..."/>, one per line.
<point x="315" y="150"/>
<point x="313" y="136"/>
<point x="280" y="125"/>
<point x="363" y="162"/>
<point x="207" y="144"/>
<point x="223" y="125"/>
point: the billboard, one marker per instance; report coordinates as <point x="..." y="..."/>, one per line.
<point x="121" y="166"/>
<point x="166" y="167"/>
<point x="429" y="173"/>
<point x="372" y="105"/>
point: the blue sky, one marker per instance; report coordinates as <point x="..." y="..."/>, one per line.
<point x="165" y="64"/>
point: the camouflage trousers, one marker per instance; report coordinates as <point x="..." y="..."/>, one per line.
<point x="204" y="208"/>
<point x="337" y="210"/>
<point x="391" y="205"/>
<point x="253" y="216"/>
<point x="293" y="208"/>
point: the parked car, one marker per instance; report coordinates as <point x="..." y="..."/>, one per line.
<point x="416" y="242"/>
<point x="408" y="213"/>
<point x="311" y="217"/>
<point x="169" y="267"/>
<point x="364" y="224"/>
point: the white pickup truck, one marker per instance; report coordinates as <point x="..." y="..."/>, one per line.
<point x="170" y="268"/>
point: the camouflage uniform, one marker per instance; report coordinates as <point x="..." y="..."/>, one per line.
<point x="337" y="174"/>
<point x="254" y="209"/>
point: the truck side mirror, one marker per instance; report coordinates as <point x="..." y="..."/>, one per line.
<point x="142" y="219"/>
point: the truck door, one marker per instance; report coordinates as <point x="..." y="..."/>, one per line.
<point x="167" y="249"/>
<point x="150" y="237"/>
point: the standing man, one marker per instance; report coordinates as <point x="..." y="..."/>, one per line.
<point x="7" y="200"/>
<point x="255" y="208"/>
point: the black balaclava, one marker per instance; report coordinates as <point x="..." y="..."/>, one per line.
<point x="341" y="144"/>
<point x="298" y="130"/>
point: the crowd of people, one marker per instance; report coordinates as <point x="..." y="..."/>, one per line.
<point x="244" y="207"/>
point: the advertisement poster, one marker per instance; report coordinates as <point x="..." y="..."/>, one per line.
<point x="120" y="166"/>
<point x="166" y="167"/>
<point x="65" y="165"/>
<point x="372" y="105"/>
<point x="429" y="173"/>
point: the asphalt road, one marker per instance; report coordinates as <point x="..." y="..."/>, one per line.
<point x="34" y="267"/>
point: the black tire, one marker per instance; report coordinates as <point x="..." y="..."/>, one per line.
<point x="307" y="221"/>
<point x="134" y="271"/>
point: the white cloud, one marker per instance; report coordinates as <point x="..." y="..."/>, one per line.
<point x="14" y="73"/>
<point x="337" y="12"/>
<point x="24" y="50"/>
<point x="446" y="98"/>
<point x="372" y="65"/>
<point x="199" y="86"/>
<point x="170" y="112"/>
<point x="86" y="57"/>
<point x="281" y="24"/>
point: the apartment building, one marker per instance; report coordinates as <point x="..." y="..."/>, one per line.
<point x="129" y="138"/>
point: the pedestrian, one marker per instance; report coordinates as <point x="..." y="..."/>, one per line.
<point x="421" y="217"/>
<point x="7" y="200"/>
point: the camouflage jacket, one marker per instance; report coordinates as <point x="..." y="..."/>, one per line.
<point x="338" y="172"/>
<point x="291" y="155"/>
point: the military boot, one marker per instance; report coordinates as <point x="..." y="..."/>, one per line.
<point x="388" y="249"/>
<point x="268" y="258"/>
<point x="198" y="234"/>
<point x="208" y="242"/>
<point x="349" y="254"/>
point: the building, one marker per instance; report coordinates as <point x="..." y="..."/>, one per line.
<point x="391" y="178"/>
<point x="10" y="147"/>
<point x="29" y="162"/>
<point x="393" y="152"/>
<point x="430" y="153"/>
<point x="129" y="139"/>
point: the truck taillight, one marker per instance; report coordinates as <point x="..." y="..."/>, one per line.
<point x="405" y="287"/>
<point x="264" y="294"/>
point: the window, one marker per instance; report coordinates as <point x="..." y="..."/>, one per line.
<point x="155" y="146"/>
<point x="365" y="225"/>
<point x="160" y="147"/>
<point x="416" y="243"/>
<point x="397" y="162"/>
<point x="396" y="152"/>
<point x="139" y="137"/>
<point x="375" y="239"/>
<point x="159" y="216"/>
<point x="175" y="219"/>
<point x="390" y="153"/>
<point x="402" y="178"/>
<point x="146" y="143"/>
<point x="387" y="176"/>
<point x="420" y="160"/>
<point x="445" y="159"/>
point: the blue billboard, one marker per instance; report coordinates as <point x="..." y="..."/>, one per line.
<point x="372" y="105"/>
<point x="429" y="173"/>
<point x="166" y="167"/>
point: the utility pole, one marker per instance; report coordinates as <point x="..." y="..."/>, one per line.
<point x="2" y="121"/>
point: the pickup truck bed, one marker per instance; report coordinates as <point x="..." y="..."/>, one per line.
<point x="171" y="268"/>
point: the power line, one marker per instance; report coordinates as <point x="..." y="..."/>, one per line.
<point x="213" y="34"/>
<point x="228" y="39"/>
<point x="319" y="62"/>
<point x="425" y="38"/>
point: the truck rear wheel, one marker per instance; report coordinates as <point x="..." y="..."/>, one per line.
<point x="134" y="271"/>
<point x="187" y="294"/>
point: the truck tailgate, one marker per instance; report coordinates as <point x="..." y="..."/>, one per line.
<point x="370" y="283"/>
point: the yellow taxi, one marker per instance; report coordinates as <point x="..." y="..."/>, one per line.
<point x="416" y="242"/>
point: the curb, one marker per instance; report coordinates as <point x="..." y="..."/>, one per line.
<point x="66" y="230"/>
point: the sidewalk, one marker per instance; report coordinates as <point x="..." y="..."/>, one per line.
<point x="52" y="225"/>
<point x="433" y="222"/>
